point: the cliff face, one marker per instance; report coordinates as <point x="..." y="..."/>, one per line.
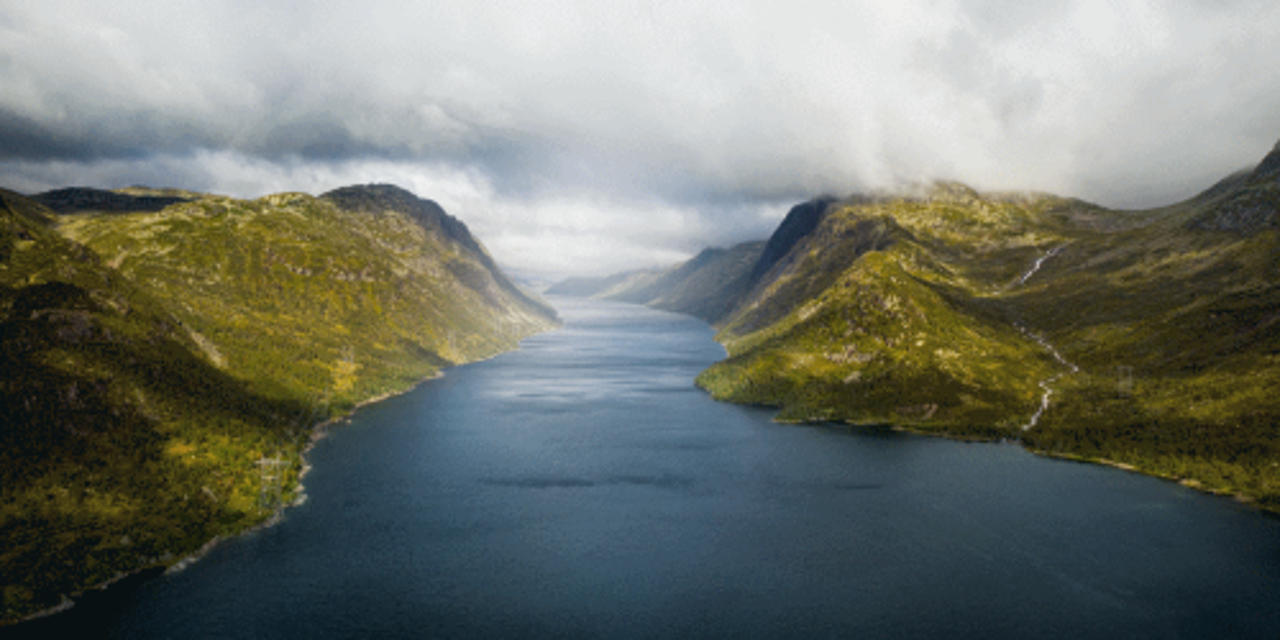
<point x="154" y="359"/>
<point x="801" y="220"/>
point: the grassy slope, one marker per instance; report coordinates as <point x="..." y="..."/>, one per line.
<point x="906" y="311"/>
<point x="140" y="388"/>
<point x="1176" y="326"/>
<point x="889" y="312"/>
<point x="120" y="447"/>
<point x="306" y="298"/>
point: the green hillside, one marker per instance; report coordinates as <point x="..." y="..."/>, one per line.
<point x="1147" y="338"/>
<point x="892" y="312"/>
<point x="164" y="369"/>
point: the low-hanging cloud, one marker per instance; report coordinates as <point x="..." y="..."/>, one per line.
<point x="634" y="132"/>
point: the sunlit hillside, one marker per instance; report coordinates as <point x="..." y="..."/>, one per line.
<point x="164" y="369"/>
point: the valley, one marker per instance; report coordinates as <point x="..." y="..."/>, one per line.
<point x="169" y="356"/>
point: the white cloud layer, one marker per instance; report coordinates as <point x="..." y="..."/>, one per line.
<point x="583" y="136"/>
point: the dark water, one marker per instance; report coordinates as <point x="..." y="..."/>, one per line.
<point x="582" y="487"/>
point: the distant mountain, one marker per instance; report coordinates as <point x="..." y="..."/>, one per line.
<point x="488" y="279"/>
<point x="162" y="370"/>
<point x="587" y="287"/>
<point x="707" y="286"/>
<point x="710" y="285"/>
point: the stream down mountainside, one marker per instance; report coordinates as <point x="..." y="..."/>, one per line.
<point x="1053" y="351"/>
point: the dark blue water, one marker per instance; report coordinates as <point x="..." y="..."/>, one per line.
<point x="582" y="487"/>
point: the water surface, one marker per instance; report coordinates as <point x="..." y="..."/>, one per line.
<point x="582" y="487"/>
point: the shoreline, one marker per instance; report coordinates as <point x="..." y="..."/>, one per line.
<point x="319" y="432"/>
<point x="1190" y="483"/>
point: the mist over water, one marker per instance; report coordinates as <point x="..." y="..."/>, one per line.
<point x="583" y="487"/>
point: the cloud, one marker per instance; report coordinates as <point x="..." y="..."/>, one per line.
<point x="675" y="122"/>
<point x="546" y="237"/>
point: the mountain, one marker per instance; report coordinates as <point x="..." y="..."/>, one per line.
<point x="1246" y="202"/>
<point x="592" y="286"/>
<point x="1145" y="338"/>
<point x="800" y="221"/>
<point x="344" y="296"/>
<point x="164" y="369"/>
<point x="708" y="286"/>
<point x="1148" y="339"/>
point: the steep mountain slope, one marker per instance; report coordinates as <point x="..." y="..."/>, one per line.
<point x="345" y="296"/>
<point x="1176" y="328"/>
<point x="885" y="313"/>
<point x="707" y="286"/>
<point x="591" y="286"/>
<point x="159" y="386"/>
<point x="800" y="221"/>
<point x="1146" y="338"/>
<point x="119" y="445"/>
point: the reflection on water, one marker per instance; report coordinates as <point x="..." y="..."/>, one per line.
<point x="581" y="487"/>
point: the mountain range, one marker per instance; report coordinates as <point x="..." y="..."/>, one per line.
<point x="166" y="357"/>
<point x="1145" y="339"/>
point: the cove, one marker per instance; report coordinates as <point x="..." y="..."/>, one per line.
<point x="583" y="487"/>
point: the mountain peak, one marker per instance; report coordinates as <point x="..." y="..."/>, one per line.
<point x="377" y="198"/>
<point x="800" y="221"/>
<point x="374" y="198"/>
<point x="1250" y="200"/>
<point x="1270" y="166"/>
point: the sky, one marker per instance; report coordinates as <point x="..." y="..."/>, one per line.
<point x="582" y="137"/>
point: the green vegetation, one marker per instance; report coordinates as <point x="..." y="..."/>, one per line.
<point x="914" y="312"/>
<point x="889" y="312"/>
<point x="163" y="371"/>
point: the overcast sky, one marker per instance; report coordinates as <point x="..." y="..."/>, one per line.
<point x="585" y="136"/>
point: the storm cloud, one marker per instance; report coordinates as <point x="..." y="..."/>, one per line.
<point x="578" y="136"/>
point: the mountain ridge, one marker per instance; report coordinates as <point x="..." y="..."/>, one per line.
<point x="1148" y="339"/>
<point x="154" y="359"/>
